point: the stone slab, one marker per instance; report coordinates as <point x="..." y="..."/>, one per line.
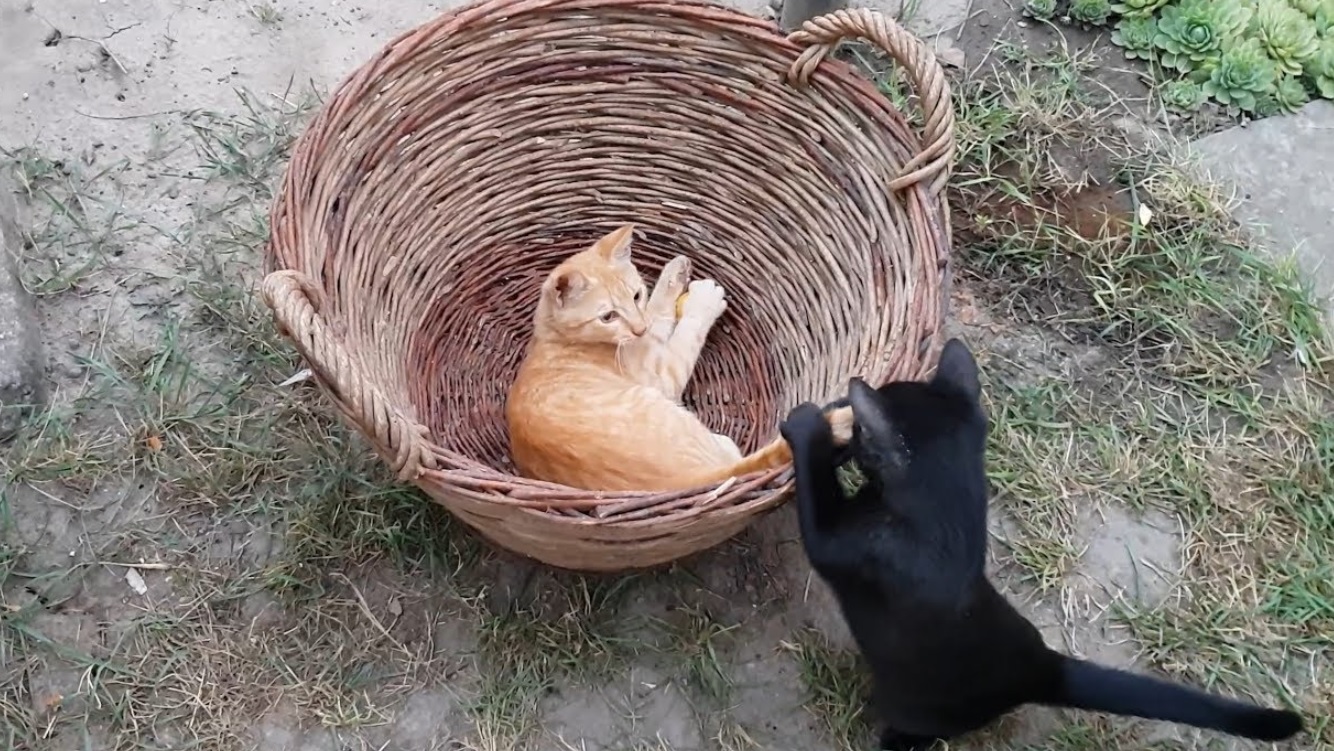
<point x="928" y="19"/>
<point x="1282" y="172"/>
<point x="22" y="381"/>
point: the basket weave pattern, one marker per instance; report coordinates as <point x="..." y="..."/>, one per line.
<point x="446" y="177"/>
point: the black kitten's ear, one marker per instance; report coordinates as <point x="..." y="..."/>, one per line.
<point x="876" y="427"/>
<point x="958" y="369"/>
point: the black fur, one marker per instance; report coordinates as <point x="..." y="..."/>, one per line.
<point x="906" y="558"/>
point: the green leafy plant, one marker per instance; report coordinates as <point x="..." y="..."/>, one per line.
<point x="1137" y="8"/>
<point x="1040" y="9"/>
<point x="1324" y="18"/>
<point x="1195" y="31"/>
<point x="1090" y="12"/>
<point x="1242" y="74"/>
<point x="1306" y="6"/>
<point x="1135" y="35"/>
<point x="1321" y="68"/>
<point x="1290" y="94"/>
<point x="1287" y="34"/>
<point x="1182" y="95"/>
<point x="1257" y="57"/>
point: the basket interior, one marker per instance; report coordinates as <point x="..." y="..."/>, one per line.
<point x="442" y="201"/>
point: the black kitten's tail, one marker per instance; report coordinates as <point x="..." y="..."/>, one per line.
<point x="1094" y="687"/>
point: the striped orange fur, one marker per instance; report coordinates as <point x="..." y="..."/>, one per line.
<point x="597" y="401"/>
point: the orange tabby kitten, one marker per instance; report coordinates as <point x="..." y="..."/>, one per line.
<point x="597" y="402"/>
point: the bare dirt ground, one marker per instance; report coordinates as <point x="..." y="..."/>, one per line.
<point x="194" y="556"/>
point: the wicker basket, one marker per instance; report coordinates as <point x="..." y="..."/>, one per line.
<point x="444" y="179"/>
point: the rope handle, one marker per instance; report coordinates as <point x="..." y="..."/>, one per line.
<point x="296" y="301"/>
<point x="822" y="34"/>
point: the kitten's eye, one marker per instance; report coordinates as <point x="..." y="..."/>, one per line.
<point x="608" y="317"/>
<point x="639" y="295"/>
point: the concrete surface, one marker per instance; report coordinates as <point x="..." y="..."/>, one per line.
<point x="929" y="18"/>
<point x="22" y="382"/>
<point x="1282" y="171"/>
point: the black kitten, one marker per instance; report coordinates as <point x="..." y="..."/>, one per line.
<point x="905" y="559"/>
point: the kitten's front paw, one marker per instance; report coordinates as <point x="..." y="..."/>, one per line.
<point x="805" y="425"/>
<point x="706" y="302"/>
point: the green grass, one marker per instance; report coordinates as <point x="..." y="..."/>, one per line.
<point x="572" y="637"/>
<point x="699" y="641"/>
<point x="83" y="225"/>
<point x="837" y="688"/>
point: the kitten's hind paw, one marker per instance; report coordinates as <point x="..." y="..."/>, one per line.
<point x="706" y="302"/>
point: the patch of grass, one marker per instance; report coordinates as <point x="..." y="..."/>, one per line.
<point x="697" y="640"/>
<point x="249" y="149"/>
<point x="572" y="635"/>
<point x="81" y="222"/>
<point x="732" y="737"/>
<point x="837" y="688"/>
<point x="1081" y="733"/>
<point x="1033" y="476"/>
<point x="266" y="14"/>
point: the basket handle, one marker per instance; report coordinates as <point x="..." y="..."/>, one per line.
<point x="821" y="36"/>
<point x="296" y="301"/>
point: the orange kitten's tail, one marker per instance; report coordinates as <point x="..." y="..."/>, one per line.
<point x="777" y="452"/>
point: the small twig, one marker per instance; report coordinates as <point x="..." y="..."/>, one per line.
<point x="144" y="566"/>
<point x="967" y="16"/>
<point x="105" y="50"/>
<point x="91" y="116"/>
<point x="366" y="609"/>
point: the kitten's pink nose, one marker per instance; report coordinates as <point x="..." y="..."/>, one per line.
<point x="638" y="328"/>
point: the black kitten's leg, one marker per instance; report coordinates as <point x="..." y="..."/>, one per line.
<point x="893" y="740"/>
<point x="818" y="493"/>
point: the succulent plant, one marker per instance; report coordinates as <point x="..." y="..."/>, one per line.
<point x="1182" y="95"/>
<point x="1242" y="74"/>
<point x="1322" y="11"/>
<point x="1321" y="68"/>
<point x="1135" y="35"/>
<point x="1286" y="33"/>
<point x="1290" y="94"/>
<point x="1040" y="9"/>
<point x="1090" y="12"/>
<point x="1306" y="6"/>
<point x="1265" y="106"/>
<point x="1194" y="31"/>
<point x="1137" y="8"/>
<point x="1324" y="18"/>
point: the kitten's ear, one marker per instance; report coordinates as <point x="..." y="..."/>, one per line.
<point x="877" y="429"/>
<point x="615" y="247"/>
<point x="566" y="287"/>
<point x="958" y="369"/>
